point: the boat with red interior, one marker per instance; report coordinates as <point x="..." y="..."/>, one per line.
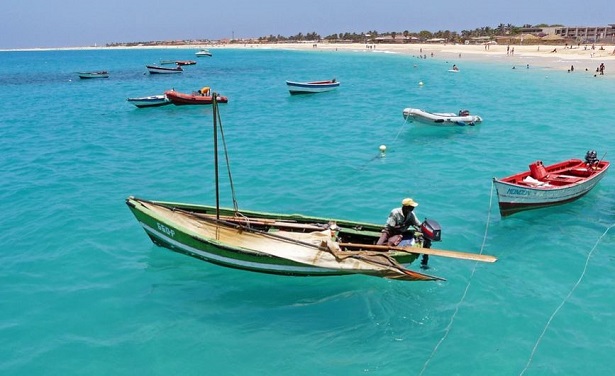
<point x="194" y="98"/>
<point x="555" y="184"/>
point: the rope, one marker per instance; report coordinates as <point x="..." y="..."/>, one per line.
<point x="544" y="330"/>
<point x="465" y="292"/>
<point x="228" y="163"/>
<point x="377" y="156"/>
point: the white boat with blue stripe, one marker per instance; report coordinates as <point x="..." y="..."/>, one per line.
<point x="312" y="87"/>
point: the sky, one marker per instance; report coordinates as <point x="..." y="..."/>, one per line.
<point x="81" y="23"/>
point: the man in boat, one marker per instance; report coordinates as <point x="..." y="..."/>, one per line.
<point x="402" y="223"/>
<point x="204" y="91"/>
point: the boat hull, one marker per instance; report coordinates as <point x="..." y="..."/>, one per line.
<point x="440" y="119"/>
<point x="235" y="247"/>
<point x="180" y="99"/>
<point x="296" y="88"/>
<point x="562" y="186"/>
<point x="162" y="70"/>
<point x="88" y="75"/>
<point x="151" y="101"/>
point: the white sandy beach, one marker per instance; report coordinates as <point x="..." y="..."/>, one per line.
<point x="582" y="57"/>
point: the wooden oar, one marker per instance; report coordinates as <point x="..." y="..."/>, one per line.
<point x="425" y="251"/>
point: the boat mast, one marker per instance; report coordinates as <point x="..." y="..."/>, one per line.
<point x="215" y="112"/>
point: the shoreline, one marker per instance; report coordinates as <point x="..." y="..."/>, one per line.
<point x="582" y="57"/>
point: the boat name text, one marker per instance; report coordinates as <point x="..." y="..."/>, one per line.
<point x="166" y="230"/>
<point x="518" y="192"/>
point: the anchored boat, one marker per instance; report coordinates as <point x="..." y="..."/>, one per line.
<point x="150" y="101"/>
<point x="154" y="69"/>
<point x="312" y="87"/>
<point x="98" y="74"/>
<point x="195" y="98"/>
<point x="543" y="186"/>
<point x="462" y="118"/>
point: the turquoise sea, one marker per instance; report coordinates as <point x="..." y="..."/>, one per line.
<point x="83" y="291"/>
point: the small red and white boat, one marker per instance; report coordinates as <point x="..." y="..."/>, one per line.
<point x="312" y="87"/>
<point x="153" y="69"/>
<point x="543" y="186"/>
<point x="178" y="98"/>
<point x="185" y="62"/>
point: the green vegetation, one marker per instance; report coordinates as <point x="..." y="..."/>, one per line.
<point x="371" y="36"/>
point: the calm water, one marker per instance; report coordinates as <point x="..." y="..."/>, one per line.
<point x="83" y="290"/>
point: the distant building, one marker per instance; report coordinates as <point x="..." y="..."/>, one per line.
<point x="587" y="33"/>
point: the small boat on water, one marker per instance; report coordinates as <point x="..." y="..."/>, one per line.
<point x="462" y="118"/>
<point x="284" y="244"/>
<point x="154" y="69"/>
<point x="98" y="74"/>
<point x="312" y="87"/>
<point x="543" y="186"/>
<point x="177" y="62"/>
<point x="185" y="62"/>
<point x="194" y="98"/>
<point x="203" y="53"/>
<point x="150" y="101"/>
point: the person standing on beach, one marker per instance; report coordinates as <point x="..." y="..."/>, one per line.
<point x="601" y="68"/>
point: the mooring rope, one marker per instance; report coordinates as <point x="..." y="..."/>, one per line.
<point x="380" y="154"/>
<point x="559" y="307"/>
<point x="465" y="292"/>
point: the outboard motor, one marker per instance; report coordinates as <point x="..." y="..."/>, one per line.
<point x="431" y="232"/>
<point x="591" y="157"/>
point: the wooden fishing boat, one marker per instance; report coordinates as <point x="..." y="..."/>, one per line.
<point x="150" y="101"/>
<point x="194" y="98"/>
<point x="154" y="69"/>
<point x="285" y="244"/>
<point x="462" y="118"/>
<point x="98" y="74"/>
<point x="543" y="186"/>
<point x="312" y="87"/>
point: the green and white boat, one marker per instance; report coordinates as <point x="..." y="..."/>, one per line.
<point x="272" y="243"/>
<point x="286" y="244"/>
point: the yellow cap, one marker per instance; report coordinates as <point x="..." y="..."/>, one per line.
<point x="409" y="202"/>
